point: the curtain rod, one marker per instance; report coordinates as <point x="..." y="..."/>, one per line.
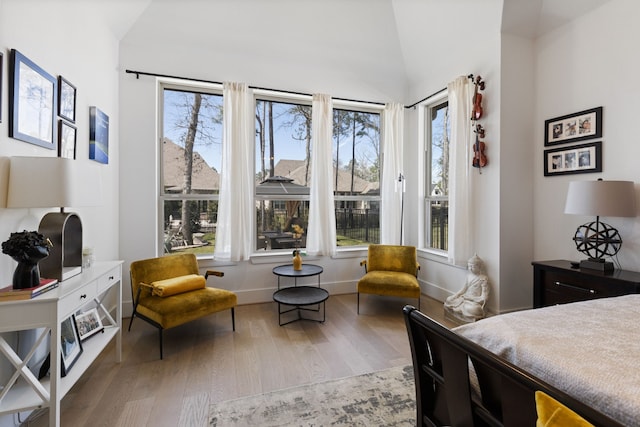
<point x="143" y="73"/>
<point x="426" y="97"/>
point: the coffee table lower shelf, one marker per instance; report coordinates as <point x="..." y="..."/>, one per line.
<point x="299" y="298"/>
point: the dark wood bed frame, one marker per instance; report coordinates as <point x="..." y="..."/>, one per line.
<point x="445" y="397"/>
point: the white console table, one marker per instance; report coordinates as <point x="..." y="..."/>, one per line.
<point x="94" y="287"/>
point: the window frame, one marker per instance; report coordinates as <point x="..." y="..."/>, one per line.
<point x="425" y="109"/>
<point x="370" y="108"/>
<point x="162" y="197"/>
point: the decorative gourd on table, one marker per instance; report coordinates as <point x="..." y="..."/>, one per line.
<point x="297" y="260"/>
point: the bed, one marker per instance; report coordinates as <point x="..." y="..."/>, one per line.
<point x="588" y="349"/>
<point x="581" y="354"/>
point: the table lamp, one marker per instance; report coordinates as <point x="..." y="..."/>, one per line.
<point x="46" y="182"/>
<point x="600" y="198"/>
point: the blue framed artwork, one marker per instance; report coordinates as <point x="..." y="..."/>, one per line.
<point x="98" y="135"/>
<point x="32" y="109"/>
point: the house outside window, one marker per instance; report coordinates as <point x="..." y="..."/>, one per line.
<point x="437" y="131"/>
<point x="191" y="150"/>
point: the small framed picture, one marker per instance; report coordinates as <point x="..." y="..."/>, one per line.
<point x="574" y="127"/>
<point x="70" y="345"/>
<point x="66" y="140"/>
<point x="583" y="158"/>
<point x="88" y="324"/>
<point x="66" y="100"/>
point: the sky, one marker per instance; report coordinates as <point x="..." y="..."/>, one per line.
<point x="287" y="147"/>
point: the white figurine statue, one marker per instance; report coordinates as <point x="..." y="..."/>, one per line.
<point x="468" y="303"/>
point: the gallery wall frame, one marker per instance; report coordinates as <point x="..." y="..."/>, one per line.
<point x="32" y="102"/>
<point x="98" y="135"/>
<point x="66" y="140"/>
<point x="583" y="158"/>
<point x="574" y="127"/>
<point x="66" y="100"/>
<point x="70" y="345"/>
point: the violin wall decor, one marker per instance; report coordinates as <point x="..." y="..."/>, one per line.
<point x="479" y="158"/>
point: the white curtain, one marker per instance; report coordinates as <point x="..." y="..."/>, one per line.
<point x="391" y="186"/>
<point x="235" y="230"/>
<point x="321" y="231"/>
<point x="460" y="201"/>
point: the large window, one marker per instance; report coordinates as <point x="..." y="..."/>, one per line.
<point x="437" y="186"/>
<point x="356" y="176"/>
<point x="190" y="160"/>
<point x="283" y="152"/>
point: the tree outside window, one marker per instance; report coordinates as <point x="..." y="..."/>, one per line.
<point x="191" y="157"/>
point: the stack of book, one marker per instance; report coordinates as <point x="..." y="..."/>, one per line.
<point x="10" y="294"/>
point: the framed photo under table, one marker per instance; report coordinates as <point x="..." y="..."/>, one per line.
<point x="584" y="158"/>
<point x="32" y="102"/>
<point x="88" y="324"/>
<point x="70" y="345"/>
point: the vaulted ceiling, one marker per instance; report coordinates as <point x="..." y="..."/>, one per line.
<point x="411" y="35"/>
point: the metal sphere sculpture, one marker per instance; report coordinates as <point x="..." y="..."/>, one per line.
<point x="597" y="239"/>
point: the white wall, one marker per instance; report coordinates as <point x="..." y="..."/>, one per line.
<point x="74" y="43"/>
<point x="589" y="63"/>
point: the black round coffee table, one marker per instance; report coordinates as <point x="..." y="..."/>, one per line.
<point x="300" y="297"/>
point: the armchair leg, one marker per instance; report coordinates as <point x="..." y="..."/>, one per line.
<point x="233" y="318"/>
<point x="160" y="332"/>
<point x="131" y="321"/>
<point x="358" y="310"/>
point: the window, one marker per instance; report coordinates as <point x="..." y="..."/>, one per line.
<point x="191" y="150"/>
<point x="283" y="150"/>
<point x="438" y="129"/>
<point x="356" y="176"/>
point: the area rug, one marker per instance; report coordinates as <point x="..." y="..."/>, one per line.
<point x="383" y="398"/>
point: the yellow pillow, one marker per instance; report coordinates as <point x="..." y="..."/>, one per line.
<point x="178" y="285"/>
<point x="552" y="413"/>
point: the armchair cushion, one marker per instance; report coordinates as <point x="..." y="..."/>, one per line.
<point x="390" y="283"/>
<point x="178" y="285"/>
<point x="178" y="309"/>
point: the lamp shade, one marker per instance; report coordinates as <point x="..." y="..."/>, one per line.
<point x="46" y="182"/>
<point x="601" y="198"/>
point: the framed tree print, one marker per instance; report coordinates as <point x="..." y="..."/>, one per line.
<point x="32" y="104"/>
<point x="66" y="140"/>
<point x="66" y="100"/>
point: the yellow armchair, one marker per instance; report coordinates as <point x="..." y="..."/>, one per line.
<point x="169" y="291"/>
<point x="390" y="270"/>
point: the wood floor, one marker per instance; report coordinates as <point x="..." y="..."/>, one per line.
<point x="205" y="362"/>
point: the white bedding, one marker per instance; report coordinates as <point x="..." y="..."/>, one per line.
<point x="590" y="350"/>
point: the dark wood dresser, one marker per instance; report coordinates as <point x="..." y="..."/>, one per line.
<point x="556" y="282"/>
